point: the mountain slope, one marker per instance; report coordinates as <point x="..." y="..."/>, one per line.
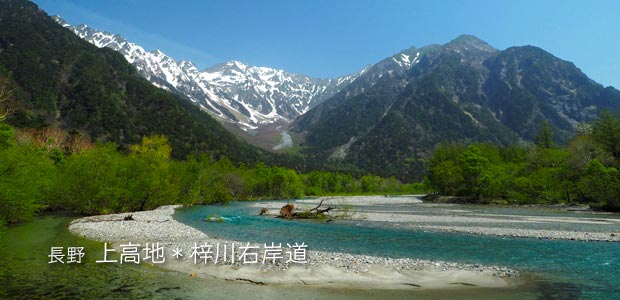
<point x="64" y="81"/>
<point x="393" y="115"/>
<point x="233" y="91"/>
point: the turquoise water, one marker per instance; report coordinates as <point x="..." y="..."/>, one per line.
<point x="26" y="274"/>
<point x="607" y="222"/>
<point x="556" y="269"/>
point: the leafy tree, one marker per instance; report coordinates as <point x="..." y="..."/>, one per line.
<point x="154" y="183"/>
<point x="444" y="172"/>
<point x="601" y="185"/>
<point x="474" y="164"/>
<point x="61" y="81"/>
<point x="94" y="181"/>
<point x="154" y="149"/>
<point x="446" y="177"/>
<point x="544" y="137"/>
<point x="500" y="177"/>
<point x="606" y="133"/>
<point x="25" y="177"/>
<point x="583" y="129"/>
<point x="370" y="183"/>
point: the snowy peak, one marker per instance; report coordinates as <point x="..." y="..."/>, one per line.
<point x="233" y="91"/>
<point x="189" y="66"/>
<point x="271" y="93"/>
<point x="60" y="21"/>
<point x="407" y="58"/>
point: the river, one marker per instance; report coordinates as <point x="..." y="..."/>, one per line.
<point x="26" y="274"/>
<point x="551" y="269"/>
<point x="556" y="269"/>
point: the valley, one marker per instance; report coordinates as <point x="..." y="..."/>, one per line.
<point x="468" y="166"/>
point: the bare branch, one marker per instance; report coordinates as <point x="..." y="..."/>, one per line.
<point x="6" y="97"/>
<point x="317" y="207"/>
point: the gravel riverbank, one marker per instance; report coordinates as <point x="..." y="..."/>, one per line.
<point x="407" y="212"/>
<point x="322" y="268"/>
<point x="527" y="233"/>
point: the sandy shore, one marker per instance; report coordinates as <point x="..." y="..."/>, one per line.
<point x="457" y="218"/>
<point x="322" y="269"/>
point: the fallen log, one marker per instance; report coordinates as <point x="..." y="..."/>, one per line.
<point x="286" y="212"/>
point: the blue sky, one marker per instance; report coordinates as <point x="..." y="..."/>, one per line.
<point x="324" y="38"/>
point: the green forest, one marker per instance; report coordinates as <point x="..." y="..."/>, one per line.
<point x="82" y="131"/>
<point x="58" y="80"/>
<point x="49" y="169"/>
<point x="584" y="171"/>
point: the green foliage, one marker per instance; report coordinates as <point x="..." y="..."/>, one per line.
<point x="25" y="177"/>
<point x="601" y="185"/>
<point x="7" y="136"/>
<point x="584" y="171"/>
<point x="544" y="138"/>
<point x="277" y="182"/>
<point x="318" y="183"/>
<point x="606" y="133"/>
<point x="325" y="183"/>
<point x="101" y="179"/>
<point x="389" y="123"/>
<point x="62" y="81"/>
<point x="96" y="181"/>
<point x="474" y="171"/>
<point x="370" y="183"/>
<point x="56" y="155"/>
<point x="154" y="184"/>
<point x="154" y="149"/>
<point x="444" y="171"/>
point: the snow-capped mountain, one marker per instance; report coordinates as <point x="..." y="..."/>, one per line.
<point x="246" y="95"/>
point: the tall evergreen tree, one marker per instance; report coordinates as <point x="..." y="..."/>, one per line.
<point x="544" y="137"/>
<point x="606" y="133"/>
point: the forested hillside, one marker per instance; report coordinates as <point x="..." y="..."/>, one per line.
<point x="583" y="172"/>
<point x="60" y="80"/>
<point x="390" y="119"/>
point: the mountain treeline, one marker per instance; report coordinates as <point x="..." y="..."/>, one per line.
<point x="586" y="171"/>
<point x="389" y="120"/>
<point x="61" y="81"/>
<point x="51" y="169"/>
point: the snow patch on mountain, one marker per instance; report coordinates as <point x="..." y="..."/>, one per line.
<point x="406" y="61"/>
<point x="246" y="95"/>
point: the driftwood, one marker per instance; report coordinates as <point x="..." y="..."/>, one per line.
<point x="318" y="212"/>
<point x="286" y="211"/>
<point x="263" y="211"/>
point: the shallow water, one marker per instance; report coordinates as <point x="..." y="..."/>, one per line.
<point x="537" y="218"/>
<point x="26" y="274"/>
<point x="555" y="269"/>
